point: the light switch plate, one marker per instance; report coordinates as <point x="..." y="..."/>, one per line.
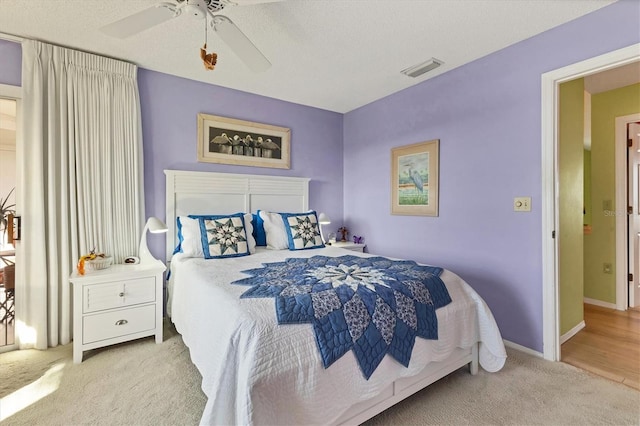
<point x="522" y="204"/>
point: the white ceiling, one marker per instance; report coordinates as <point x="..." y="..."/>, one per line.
<point x="613" y="78"/>
<point x="332" y="54"/>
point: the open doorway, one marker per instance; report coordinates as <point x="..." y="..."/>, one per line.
<point x="551" y="82"/>
<point x="610" y="257"/>
<point x="607" y="342"/>
<point x="600" y="334"/>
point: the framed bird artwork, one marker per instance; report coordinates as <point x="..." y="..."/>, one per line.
<point x="231" y="141"/>
<point x="414" y="179"/>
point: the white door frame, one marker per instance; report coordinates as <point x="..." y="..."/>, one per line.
<point x="550" y="94"/>
<point x="15" y="92"/>
<point x="624" y="241"/>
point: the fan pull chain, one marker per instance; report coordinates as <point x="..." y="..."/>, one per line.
<point x="209" y="59"/>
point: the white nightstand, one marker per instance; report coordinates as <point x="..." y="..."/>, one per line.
<point x="113" y="305"/>
<point x="349" y="246"/>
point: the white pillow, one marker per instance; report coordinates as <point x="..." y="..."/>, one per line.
<point x="275" y="231"/>
<point x="190" y="243"/>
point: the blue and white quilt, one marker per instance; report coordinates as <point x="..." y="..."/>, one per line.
<point x="373" y="306"/>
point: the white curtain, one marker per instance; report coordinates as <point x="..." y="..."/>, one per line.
<point x="81" y="178"/>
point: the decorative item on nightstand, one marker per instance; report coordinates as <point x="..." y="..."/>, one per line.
<point x="93" y="260"/>
<point x="343" y="232"/>
<point x="323" y="219"/>
<point x="99" y="263"/>
<point x="155" y="226"/>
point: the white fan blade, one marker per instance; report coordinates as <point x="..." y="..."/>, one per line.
<point x="240" y="44"/>
<point x="140" y="21"/>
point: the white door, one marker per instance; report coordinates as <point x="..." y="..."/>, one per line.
<point x="633" y="134"/>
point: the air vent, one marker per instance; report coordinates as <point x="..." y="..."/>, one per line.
<point x="418" y="70"/>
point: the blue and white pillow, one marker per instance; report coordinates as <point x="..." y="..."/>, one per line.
<point x="302" y="230"/>
<point x="189" y="235"/>
<point x="223" y="236"/>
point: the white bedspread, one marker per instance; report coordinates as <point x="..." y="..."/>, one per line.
<point x="257" y="372"/>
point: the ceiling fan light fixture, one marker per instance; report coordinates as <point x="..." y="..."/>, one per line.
<point x="194" y="12"/>
<point x="194" y="8"/>
<point x="419" y="69"/>
<point x="212" y="6"/>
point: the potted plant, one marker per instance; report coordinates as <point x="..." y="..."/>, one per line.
<point x="5" y="210"/>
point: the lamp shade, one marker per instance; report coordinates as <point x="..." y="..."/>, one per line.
<point x="323" y="219"/>
<point x="155" y="226"/>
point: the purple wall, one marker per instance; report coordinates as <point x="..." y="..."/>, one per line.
<point x="10" y="63"/>
<point x="169" y="109"/>
<point x="487" y="115"/>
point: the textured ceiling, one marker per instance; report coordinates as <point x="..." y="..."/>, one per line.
<point x="332" y="54"/>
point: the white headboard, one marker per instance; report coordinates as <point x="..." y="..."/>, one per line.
<point x="226" y="193"/>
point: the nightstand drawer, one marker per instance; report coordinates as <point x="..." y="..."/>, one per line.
<point x="117" y="294"/>
<point x="118" y="323"/>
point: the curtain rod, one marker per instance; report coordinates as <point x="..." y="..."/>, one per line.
<point x="18" y="39"/>
<point x="11" y="37"/>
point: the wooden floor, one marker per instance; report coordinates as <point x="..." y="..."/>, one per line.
<point x="609" y="345"/>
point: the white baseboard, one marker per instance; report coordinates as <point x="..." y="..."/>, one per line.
<point x="599" y="303"/>
<point x="569" y="334"/>
<point x="521" y="348"/>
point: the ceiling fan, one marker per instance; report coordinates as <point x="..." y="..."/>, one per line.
<point x="198" y="9"/>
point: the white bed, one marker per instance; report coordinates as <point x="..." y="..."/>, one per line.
<point x="257" y="372"/>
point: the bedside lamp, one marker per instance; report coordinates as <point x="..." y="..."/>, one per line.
<point x="323" y="219"/>
<point x="155" y="226"/>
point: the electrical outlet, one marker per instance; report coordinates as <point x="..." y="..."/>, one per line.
<point x="522" y="204"/>
<point x="607" y="268"/>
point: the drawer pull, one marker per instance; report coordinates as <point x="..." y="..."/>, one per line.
<point x="121" y="322"/>
<point x="121" y="294"/>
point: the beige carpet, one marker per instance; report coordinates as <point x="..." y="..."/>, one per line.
<point x="141" y="383"/>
